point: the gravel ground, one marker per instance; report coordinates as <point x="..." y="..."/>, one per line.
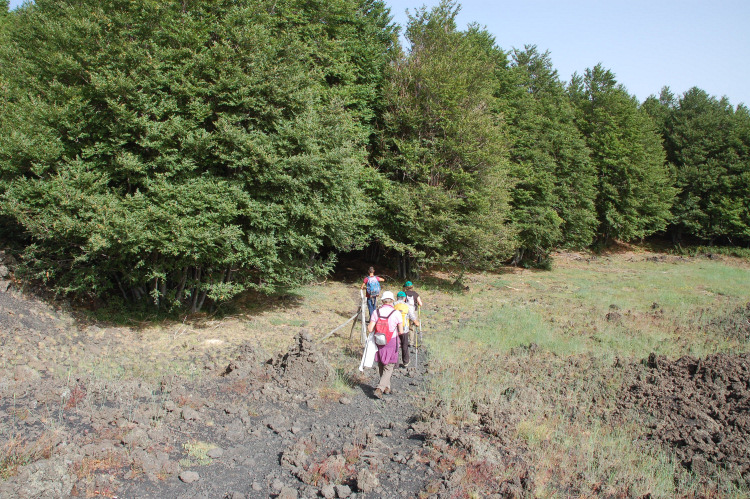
<point x="255" y="427"/>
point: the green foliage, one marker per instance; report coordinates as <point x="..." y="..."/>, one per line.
<point x="553" y="196"/>
<point x="635" y="191"/>
<point x="176" y="152"/>
<point x="184" y="150"/>
<point x="732" y="251"/>
<point x="197" y="453"/>
<point x="442" y="147"/>
<point x="708" y="141"/>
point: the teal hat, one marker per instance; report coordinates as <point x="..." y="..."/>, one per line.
<point x="408" y="284"/>
<point x="400" y="294"/>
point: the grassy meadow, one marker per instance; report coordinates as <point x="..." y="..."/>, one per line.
<point x="533" y="355"/>
<point x="539" y="348"/>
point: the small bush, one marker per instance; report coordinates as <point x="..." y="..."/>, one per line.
<point x="197" y="454"/>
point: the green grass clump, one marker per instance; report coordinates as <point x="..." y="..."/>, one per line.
<point x="197" y="454"/>
<point x="342" y="384"/>
<point x="501" y="329"/>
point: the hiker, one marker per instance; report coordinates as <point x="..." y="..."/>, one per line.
<point x="386" y="321"/>
<point x="372" y="285"/>
<point x="412" y="297"/>
<point x="409" y="317"/>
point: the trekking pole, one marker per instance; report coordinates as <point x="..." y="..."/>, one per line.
<point x="417" y="334"/>
<point x="362" y="304"/>
<point x="354" y="324"/>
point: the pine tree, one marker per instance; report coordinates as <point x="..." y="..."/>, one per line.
<point x="188" y="150"/>
<point x="553" y="199"/>
<point x="443" y="148"/>
<point x="634" y="191"/>
<point x="708" y="142"/>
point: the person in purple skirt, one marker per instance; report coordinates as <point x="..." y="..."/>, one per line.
<point x="392" y="325"/>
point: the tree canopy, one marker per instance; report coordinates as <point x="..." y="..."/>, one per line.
<point x="553" y="199"/>
<point x="179" y="149"/>
<point x="634" y="191"/>
<point x="708" y="142"/>
<point x="179" y="153"/>
<point x="443" y="148"/>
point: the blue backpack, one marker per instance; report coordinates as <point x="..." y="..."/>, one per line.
<point x="373" y="286"/>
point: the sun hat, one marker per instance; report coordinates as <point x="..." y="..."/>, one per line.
<point x="388" y="295"/>
<point x="401" y="294"/>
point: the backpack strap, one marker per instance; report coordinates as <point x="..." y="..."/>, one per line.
<point x="387" y="316"/>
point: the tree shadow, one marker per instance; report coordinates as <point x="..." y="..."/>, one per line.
<point x="454" y="283"/>
<point x="115" y="313"/>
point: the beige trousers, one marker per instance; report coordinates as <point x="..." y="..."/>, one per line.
<point x="385" y="370"/>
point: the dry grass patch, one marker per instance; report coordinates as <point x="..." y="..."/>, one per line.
<point x="17" y="452"/>
<point x="93" y="473"/>
<point x="88" y="466"/>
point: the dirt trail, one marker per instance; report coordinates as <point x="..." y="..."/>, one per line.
<point x="255" y="427"/>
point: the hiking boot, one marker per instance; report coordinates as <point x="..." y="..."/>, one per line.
<point x="406" y="364"/>
<point x="388" y="391"/>
<point x="378" y="393"/>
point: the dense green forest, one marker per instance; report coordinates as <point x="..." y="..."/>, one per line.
<point x="181" y="152"/>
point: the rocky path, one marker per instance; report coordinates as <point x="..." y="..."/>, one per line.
<point x="256" y="427"/>
<point x="285" y="441"/>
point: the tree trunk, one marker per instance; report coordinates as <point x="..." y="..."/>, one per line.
<point x="181" y="287"/>
<point x="373" y="253"/>
<point x="410" y="266"/>
<point x="407" y="267"/>
<point x="677" y="236"/>
<point x="194" y="307"/>
<point x="202" y="299"/>
<point x="122" y="290"/>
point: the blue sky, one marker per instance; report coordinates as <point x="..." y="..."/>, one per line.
<point x="647" y="44"/>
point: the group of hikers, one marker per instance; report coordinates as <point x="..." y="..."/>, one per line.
<point x="389" y="326"/>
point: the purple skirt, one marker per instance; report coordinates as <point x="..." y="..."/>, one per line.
<point x="388" y="353"/>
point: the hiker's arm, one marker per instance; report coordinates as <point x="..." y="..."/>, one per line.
<point x="413" y="318"/>
<point x="363" y="285"/>
<point x="373" y="320"/>
<point x="400" y="328"/>
<point x="419" y="301"/>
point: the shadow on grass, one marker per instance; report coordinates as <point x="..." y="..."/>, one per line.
<point x="456" y="283"/>
<point x="450" y="285"/>
<point x="116" y="312"/>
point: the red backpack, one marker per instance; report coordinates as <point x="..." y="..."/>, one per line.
<point x="383" y="333"/>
